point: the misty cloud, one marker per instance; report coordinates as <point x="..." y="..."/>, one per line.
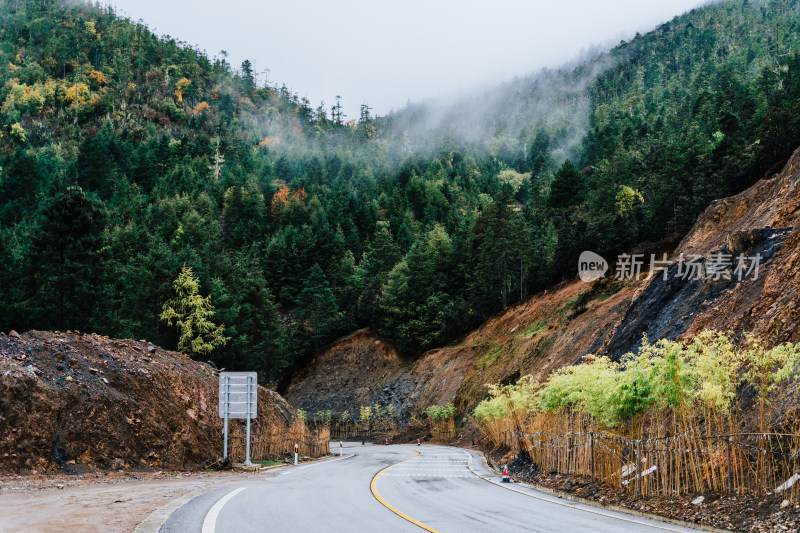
<point x="386" y="54"/>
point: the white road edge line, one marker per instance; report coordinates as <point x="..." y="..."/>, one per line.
<point x="325" y="462"/>
<point x="210" y="522"/>
<point x="570" y="505"/>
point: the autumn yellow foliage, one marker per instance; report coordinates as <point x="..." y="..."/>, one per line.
<point x="199" y="108"/>
<point x="33" y="99"/>
<point x="18" y="132"/>
<point x="76" y="94"/>
<point x="97" y="77"/>
<point x="30" y="99"/>
<point x="180" y="87"/>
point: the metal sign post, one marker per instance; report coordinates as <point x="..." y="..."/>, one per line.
<point x="225" y="398"/>
<point x="247" y="449"/>
<point x="238" y="398"/>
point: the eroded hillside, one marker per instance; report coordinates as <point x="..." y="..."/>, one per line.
<point x="537" y="336"/>
<point x="559" y="326"/>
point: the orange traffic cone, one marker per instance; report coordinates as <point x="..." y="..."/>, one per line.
<point x="506" y="479"/>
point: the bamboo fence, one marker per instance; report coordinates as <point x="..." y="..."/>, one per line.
<point x="443" y="429"/>
<point x="273" y="444"/>
<point x="340" y="430"/>
<point x="659" y="462"/>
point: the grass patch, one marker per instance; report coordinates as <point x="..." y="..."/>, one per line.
<point x="270" y="463"/>
<point x="489" y="357"/>
<point x="481" y="343"/>
<point x="534" y="329"/>
<point x="567" y="305"/>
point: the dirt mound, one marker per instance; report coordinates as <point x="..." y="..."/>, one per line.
<point x="76" y="401"/>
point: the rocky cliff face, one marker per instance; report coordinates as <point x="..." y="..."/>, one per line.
<point x="559" y="326"/>
<point x="76" y="401"/>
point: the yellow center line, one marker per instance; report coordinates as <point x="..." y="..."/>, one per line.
<point x="398" y="512"/>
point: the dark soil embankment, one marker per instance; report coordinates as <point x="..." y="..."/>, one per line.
<point x="359" y="369"/>
<point x="75" y="401"/>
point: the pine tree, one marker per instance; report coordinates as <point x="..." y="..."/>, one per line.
<point x="243" y="215"/>
<point x="499" y="246"/>
<point x="568" y="187"/>
<point x="376" y="263"/>
<point x="366" y="127"/>
<point x="317" y="312"/>
<point x="248" y="78"/>
<point x="6" y="269"/>
<point x="336" y="111"/>
<point x="64" y="267"/>
<point x="417" y="307"/>
<point x="192" y="314"/>
<point x="257" y="340"/>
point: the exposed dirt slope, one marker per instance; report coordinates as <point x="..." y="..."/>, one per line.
<point x="77" y="401"/>
<point x="769" y="306"/>
<point x="362" y="369"/>
<point x="347" y="372"/>
<point x="551" y="329"/>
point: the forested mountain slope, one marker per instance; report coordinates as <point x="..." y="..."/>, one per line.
<point x="126" y="156"/>
<point x="562" y="325"/>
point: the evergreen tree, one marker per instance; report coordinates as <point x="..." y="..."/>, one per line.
<point x="96" y="165"/>
<point x="499" y="248"/>
<point x="379" y="259"/>
<point x="257" y="339"/>
<point x="192" y="314"/>
<point x="336" y="112"/>
<point x="248" y="77"/>
<point x="64" y="265"/>
<point x="417" y="308"/>
<point x="317" y="312"/>
<point x="243" y="215"/>
<point x="540" y="159"/>
<point x="6" y="277"/>
<point x="568" y="188"/>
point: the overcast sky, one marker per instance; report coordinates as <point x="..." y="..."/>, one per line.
<point x="387" y="52"/>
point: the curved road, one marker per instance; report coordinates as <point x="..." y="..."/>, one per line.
<point x="437" y="490"/>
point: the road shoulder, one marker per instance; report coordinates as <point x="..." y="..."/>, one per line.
<point x="489" y="474"/>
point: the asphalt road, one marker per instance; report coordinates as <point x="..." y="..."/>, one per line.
<point x="437" y="490"/>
